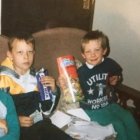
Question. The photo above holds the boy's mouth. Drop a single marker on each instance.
(93, 60)
(26, 63)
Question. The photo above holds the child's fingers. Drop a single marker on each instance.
(49, 81)
(113, 80)
(3, 125)
(25, 121)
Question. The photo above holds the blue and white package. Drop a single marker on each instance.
(45, 91)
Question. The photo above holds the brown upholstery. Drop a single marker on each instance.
(3, 47)
(56, 42)
(50, 44)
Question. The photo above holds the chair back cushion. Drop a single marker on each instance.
(56, 42)
(3, 47)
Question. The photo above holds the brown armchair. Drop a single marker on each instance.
(3, 47)
(55, 42)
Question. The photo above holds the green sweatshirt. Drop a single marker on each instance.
(11, 117)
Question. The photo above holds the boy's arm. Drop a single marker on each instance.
(50, 82)
(115, 75)
(25, 121)
(114, 80)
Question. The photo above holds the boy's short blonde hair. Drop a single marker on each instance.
(21, 36)
(96, 35)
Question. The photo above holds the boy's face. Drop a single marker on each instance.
(22, 55)
(93, 52)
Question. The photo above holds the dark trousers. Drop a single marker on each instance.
(43, 130)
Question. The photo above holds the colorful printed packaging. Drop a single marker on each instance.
(71, 91)
(45, 91)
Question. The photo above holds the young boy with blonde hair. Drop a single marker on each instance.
(98, 78)
(19, 79)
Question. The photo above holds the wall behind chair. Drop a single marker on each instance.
(120, 20)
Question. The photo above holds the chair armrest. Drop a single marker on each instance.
(129, 98)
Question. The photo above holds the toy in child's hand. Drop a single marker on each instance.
(45, 91)
(72, 92)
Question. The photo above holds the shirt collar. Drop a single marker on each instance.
(92, 66)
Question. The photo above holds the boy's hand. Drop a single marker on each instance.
(113, 80)
(49, 81)
(25, 121)
(62, 82)
(3, 124)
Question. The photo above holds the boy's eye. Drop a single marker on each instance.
(87, 51)
(31, 52)
(20, 52)
(97, 50)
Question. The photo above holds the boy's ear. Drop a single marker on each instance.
(83, 55)
(105, 51)
(9, 55)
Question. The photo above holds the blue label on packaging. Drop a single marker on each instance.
(45, 91)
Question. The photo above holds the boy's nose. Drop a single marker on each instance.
(92, 53)
(26, 55)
